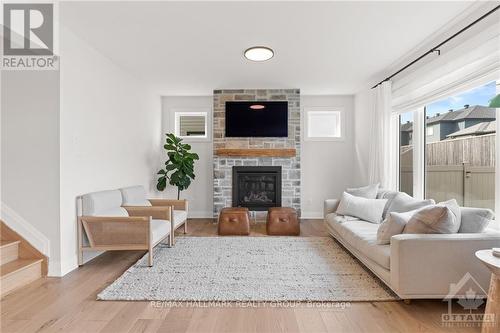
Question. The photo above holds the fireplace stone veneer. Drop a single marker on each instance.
(223, 165)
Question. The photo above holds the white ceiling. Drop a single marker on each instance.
(191, 48)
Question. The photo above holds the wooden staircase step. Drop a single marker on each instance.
(19, 273)
(9, 251)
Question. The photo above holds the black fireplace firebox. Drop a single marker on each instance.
(257, 187)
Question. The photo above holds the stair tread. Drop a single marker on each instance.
(4, 243)
(17, 265)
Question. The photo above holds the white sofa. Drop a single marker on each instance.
(414, 265)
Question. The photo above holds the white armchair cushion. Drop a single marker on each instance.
(179, 216)
(370, 210)
(159, 230)
(368, 192)
(134, 196)
(103, 203)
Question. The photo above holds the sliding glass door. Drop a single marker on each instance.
(460, 148)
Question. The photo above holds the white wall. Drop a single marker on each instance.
(30, 157)
(200, 193)
(110, 132)
(327, 167)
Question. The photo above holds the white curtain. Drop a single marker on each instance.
(382, 162)
(460, 67)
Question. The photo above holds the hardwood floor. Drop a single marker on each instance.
(69, 304)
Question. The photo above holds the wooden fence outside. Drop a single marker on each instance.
(462, 169)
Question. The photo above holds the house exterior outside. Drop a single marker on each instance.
(453, 124)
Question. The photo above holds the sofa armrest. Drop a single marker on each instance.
(426, 265)
(177, 204)
(330, 206)
(158, 212)
(104, 232)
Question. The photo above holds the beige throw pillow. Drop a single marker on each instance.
(393, 225)
(443, 218)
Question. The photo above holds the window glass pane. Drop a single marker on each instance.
(460, 148)
(323, 124)
(191, 125)
(406, 153)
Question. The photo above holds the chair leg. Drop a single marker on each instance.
(186, 226)
(171, 239)
(150, 258)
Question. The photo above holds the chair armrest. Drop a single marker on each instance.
(126, 232)
(330, 206)
(427, 264)
(159, 212)
(177, 204)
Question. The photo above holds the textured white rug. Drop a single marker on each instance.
(249, 269)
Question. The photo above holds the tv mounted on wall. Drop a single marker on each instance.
(257, 119)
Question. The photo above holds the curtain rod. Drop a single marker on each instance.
(436, 48)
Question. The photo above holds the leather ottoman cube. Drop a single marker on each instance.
(234, 222)
(282, 221)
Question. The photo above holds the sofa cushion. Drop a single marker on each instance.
(362, 236)
(402, 202)
(134, 196)
(103, 203)
(443, 218)
(368, 192)
(334, 217)
(159, 229)
(475, 220)
(370, 210)
(179, 216)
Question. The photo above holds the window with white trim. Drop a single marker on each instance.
(191, 124)
(324, 124)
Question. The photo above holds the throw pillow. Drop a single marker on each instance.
(443, 218)
(389, 195)
(368, 192)
(394, 224)
(402, 202)
(370, 210)
(475, 220)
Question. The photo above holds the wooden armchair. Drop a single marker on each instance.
(136, 196)
(104, 225)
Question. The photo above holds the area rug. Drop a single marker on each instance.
(249, 269)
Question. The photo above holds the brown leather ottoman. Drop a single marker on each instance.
(234, 221)
(282, 221)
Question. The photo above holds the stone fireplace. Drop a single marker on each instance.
(223, 164)
(257, 187)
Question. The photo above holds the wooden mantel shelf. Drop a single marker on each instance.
(254, 152)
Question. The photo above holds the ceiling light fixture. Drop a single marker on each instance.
(259, 53)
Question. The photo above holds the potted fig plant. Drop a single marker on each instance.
(179, 168)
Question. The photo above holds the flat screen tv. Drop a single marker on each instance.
(257, 119)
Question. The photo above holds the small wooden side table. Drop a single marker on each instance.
(493, 303)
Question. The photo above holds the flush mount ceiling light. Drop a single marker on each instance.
(259, 53)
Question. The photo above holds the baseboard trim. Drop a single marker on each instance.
(25, 229)
(200, 215)
(311, 215)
